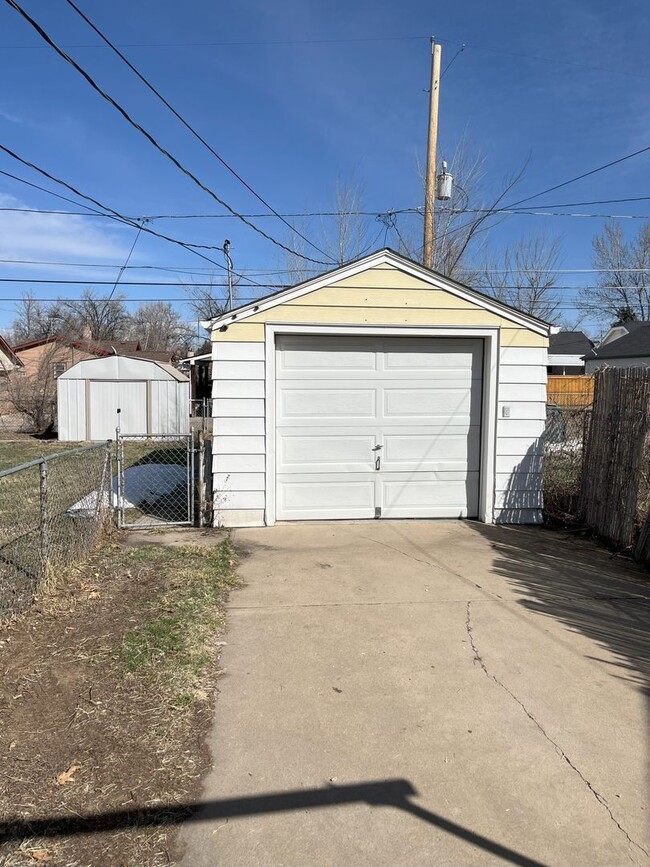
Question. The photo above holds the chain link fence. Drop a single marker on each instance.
(155, 480)
(52, 514)
(564, 446)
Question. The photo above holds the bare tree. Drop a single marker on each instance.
(158, 326)
(622, 289)
(525, 276)
(461, 225)
(105, 319)
(33, 320)
(208, 302)
(343, 237)
(32, 392)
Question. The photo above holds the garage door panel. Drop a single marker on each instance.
(329, 402)
(300, 453)
(433, 402)
(322, 354)
(319, 498)
(430, 497)
(454, 448)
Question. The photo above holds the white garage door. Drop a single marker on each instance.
(370, 427)
(104, 400)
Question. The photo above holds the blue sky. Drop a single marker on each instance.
(297, 94)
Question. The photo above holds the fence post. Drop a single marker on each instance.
(105, 486)
(42, 468)
(201, 485)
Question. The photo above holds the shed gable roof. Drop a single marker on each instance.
(382, 258)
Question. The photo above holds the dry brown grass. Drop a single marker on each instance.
(112, 672)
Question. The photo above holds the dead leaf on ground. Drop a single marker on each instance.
(39, 855)
(68, 776)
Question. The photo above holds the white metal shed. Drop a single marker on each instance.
(154, 399)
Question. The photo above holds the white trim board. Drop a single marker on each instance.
(384, 257)
(490, 337)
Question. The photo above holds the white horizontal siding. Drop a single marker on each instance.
(229, 445)
(518, 479)
(235, 407)
(530, 463)
(238, 388)
(239, 369)
(523, 355)
(529, 497)
(518, 465)
(525, 409)
(518, 516)
(239, 445)
(517, 427)
(237, 464)
(245, 482)
(521, 373)
(516, 391)
(237, 351)
(239, 426)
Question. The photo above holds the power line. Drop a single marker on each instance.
(540, 212)
(350, 40)
(192, 248)
(88, 78)
(181, 269)
(582, 176)
(487, 212)
(188, 126)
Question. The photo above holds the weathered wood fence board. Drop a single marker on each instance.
(615, 496)
(571, 392)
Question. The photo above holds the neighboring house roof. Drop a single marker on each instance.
(383, 257)
(133, 348)
(618, 331)
(634, 344)
(92, 348)
(7, 352)
(101, 348)
(569, 343)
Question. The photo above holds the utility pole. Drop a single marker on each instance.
(430, 190)
(226, 253)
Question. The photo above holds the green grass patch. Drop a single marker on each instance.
(16, 452)
(177, 641)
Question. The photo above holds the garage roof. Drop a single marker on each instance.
(383, 257)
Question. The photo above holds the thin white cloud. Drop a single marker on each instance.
(58, 237)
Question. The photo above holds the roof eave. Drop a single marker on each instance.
(380, 257)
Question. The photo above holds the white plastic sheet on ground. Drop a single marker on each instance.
(145, 483)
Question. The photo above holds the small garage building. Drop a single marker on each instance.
(378, 390)
(153, 398)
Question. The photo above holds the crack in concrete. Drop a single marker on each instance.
(437, 565)
(601, 800)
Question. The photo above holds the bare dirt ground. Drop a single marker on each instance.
(105, 700)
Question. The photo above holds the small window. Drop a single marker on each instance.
(58, 368)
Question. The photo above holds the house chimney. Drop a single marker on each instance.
(87, 333)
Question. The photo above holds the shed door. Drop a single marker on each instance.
(377, 427)
(104, 400)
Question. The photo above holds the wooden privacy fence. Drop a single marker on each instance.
(615, 495)
(570, 392)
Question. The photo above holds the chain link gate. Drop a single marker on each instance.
(155, 480)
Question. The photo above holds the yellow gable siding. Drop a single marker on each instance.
(380, 296)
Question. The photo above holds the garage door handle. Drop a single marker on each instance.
(376, 448)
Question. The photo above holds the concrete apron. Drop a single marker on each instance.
(428, 693)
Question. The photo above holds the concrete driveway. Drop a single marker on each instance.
(428, 693)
